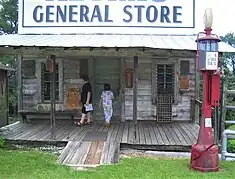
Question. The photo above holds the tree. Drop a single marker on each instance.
(8, 16)
(228, 60)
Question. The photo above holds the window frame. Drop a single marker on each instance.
(165, 61)
(43, 81)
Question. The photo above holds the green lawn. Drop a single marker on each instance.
(34, 165)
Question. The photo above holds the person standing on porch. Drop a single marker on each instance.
(86, 99)
(106, 101)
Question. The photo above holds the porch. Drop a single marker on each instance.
(149, 134)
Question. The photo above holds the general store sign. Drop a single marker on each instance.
(104, 16)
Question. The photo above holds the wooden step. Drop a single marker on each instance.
(90, 154)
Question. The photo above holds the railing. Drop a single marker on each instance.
(227, 134)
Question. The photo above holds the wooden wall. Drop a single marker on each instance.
(146, 109)
(69, 75)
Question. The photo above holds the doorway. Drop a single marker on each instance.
(107, 70)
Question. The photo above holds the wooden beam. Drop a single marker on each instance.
(53, 100)
(112, 52)
(19, 84)
(122, 90)
(135, 86)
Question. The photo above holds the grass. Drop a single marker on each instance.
(36, 165)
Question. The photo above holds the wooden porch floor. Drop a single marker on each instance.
(150, 135)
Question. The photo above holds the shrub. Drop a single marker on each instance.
(231, 142)
(2, 142)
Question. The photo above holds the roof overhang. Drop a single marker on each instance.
(81, 41)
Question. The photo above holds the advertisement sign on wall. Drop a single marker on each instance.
(104, 16)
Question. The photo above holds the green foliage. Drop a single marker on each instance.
(2, 142)
(231, 142)
(9, 16)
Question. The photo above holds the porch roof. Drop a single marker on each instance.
(174, 42)
(6, 68)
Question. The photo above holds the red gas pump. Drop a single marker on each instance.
(204, 154)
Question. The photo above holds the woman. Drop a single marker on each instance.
(86, 99)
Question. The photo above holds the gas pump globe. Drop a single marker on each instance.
(208, 53)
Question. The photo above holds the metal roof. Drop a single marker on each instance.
(175, 42)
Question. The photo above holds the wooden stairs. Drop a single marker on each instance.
(90, 153)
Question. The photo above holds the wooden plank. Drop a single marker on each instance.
(18, 131)
(37, 135)
(65, 152)
(131, 137)
(184, 134)
(58, 131)
(195, 128)
(112, 152)
(105, 152)
(120, 132)
(137, 140)
(168, 134)
(125, 133)
(157, 134)
(181, 138)
(163, 135)
(71, 130)
(146, 134)
(81, 134)
(152, 134)
(122, 82)
(135, 94)
(92, 152)
(190, 136)
(174, 136)
(63, 132)
(114, 132)
(141, 134)
(190, 132)
(29, 132)
(79, 154)
(98, 153)
(72, 152)
(110, 131)
(19, 84)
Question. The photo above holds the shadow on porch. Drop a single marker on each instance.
(149, 134)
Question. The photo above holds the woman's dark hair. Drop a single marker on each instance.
(85, 77)
(107, 87)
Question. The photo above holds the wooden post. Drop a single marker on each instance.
(135, 86)
(122, 91)
(53, 100)
(222, 107)
(19, 84)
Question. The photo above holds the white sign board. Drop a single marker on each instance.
(212, 60)
(104, 16)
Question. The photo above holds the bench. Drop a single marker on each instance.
(25, 113)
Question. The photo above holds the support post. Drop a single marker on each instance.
(122, 90)
(19, 85)
(135, 86)
(53, 100)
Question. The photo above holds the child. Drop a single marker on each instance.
(106, 101)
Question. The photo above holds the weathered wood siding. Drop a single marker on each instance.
(69, 75)
(71, 69)
(181, 110)
(146, 109)
(144, 103)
